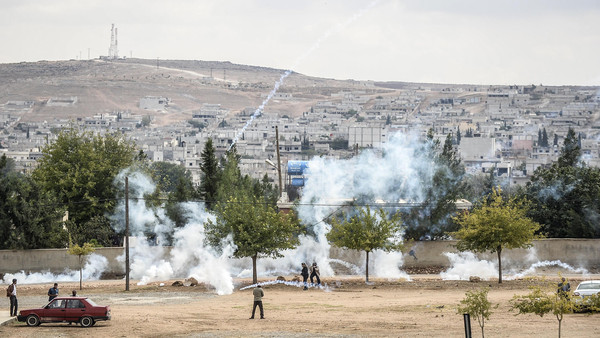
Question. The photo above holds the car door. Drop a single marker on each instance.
(54, 311)
(75, 310)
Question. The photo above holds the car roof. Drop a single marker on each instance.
(70, 298)
(590, 281)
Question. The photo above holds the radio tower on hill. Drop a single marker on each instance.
(113, 51)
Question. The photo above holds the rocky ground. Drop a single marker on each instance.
(425, 306)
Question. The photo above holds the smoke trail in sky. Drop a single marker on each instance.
(338, 28)
(260, 109)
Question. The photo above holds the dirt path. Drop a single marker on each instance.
(424, 307)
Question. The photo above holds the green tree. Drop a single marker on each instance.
(30, 218)
(571, 150)
(477, 304)
(80, 168)
(367, 232)
(564, 196)
(170, 176)
(433, 220)
(545, 138)
(81, 252)
(496, 224)
(210, 174)
(541, 302)
(256, 227)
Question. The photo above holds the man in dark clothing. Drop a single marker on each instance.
(563, 288)
(314, 272)
(258, 295)
(53, 292)
(304, 274)
(12, 293)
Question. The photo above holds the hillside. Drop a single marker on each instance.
(106, 86)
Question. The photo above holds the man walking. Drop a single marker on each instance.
(12, 293)
(53, 292)
(304, 274)
(314, 272)
(258, 295)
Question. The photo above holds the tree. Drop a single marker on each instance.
(80, 252)
(571, 150)
(29, 217)
(210, 174)
(496, 224)
(367, 232)
(80, 168)
(564, 196)
(544, 138)
(477, 304)
(541, 302)
(434, 219)
(256, 227)
(170, 176)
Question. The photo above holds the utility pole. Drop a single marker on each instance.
(278, 161)
(126, 233)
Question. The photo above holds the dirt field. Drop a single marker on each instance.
(423, 307)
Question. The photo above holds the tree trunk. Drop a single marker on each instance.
(499, 251)
(80, 272)
(367, 266)
(254, 278)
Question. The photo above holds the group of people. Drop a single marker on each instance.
(259, 293)
(314, 272)
(11, 292)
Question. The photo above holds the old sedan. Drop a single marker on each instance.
(80, 310)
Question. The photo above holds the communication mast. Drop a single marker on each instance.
(113, 51)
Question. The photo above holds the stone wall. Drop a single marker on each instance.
(575, 252)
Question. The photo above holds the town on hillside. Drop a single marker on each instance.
(170, 110)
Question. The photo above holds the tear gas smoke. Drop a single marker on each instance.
(93, 268)
(189, 257)
(466, 264)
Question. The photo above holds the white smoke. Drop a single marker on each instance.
(465, 264)
(93, 268)
(338, 28)
(189, 257)
(393, 175)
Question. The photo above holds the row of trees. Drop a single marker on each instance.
(542, 300)
(78, 171)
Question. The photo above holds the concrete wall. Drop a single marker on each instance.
(575, 252)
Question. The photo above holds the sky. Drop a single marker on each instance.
(548, 42)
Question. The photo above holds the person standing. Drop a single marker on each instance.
(563, 288)
(12, 293)
(304, 274)
(53, 292)
(258, 295)
(314, 272)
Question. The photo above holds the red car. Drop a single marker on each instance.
(66, 310)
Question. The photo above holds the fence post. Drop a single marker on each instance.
(467, 319)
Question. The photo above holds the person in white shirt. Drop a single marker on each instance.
(14, 304)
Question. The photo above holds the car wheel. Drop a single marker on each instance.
(86, 321)
(33, 320)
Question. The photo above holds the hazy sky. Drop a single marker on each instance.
(449, 41)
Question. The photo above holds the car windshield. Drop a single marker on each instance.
(91, 302)
(588, 286)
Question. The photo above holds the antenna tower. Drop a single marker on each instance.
(113, 52)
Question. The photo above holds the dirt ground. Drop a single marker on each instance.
(347, 307)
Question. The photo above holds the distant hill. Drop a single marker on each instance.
(105, 86)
